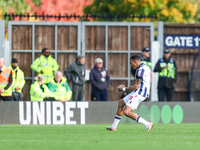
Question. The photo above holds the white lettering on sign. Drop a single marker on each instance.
(196, 41)
(169, 41)
(58, 110)
(22, 113)
(177, 41)
(69, 114)
(48, 112)
(182, 41)
(82, 106)
(51, 112)
(189, 42)
(38, 113)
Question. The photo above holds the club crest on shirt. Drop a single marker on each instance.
(103, 73)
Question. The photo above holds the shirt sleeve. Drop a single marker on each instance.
(92, 79)
(67, 72)
(36, 65)
(22, 80)
(68, 94)
(10, 81)
(50, 86)
(175, 71)
(140, 73)
(55, 65)
(157, 67)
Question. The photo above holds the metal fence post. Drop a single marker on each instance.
(2, 37)
(160, 36)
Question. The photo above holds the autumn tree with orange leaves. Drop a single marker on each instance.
(62, 7)
(46, 7)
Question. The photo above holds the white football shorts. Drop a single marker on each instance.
(133, 100)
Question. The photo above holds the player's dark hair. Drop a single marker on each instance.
(135, 57)
(44, 49)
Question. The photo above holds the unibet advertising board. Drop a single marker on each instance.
(40, 113)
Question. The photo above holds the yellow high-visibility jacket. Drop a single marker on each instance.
(168, 72)
(4, 80)
(60, 90)
(47, 65)
(18, 81)
(37, 93)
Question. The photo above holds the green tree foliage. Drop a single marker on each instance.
(197, 17)
(37, 2)
(166, 10)
(14, 6)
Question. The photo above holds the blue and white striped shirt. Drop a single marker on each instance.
(143, 72)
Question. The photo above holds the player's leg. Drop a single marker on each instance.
(128, 112)
(133, 102)
(120, 112)
(118, 115)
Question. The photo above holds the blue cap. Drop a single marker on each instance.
(166, 51)
(146, 49)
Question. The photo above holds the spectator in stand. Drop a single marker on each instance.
(39, 91)
(100, 80)
(60, 88)
(18, 80)
(76, 73)
(5, 82)
(45, 65)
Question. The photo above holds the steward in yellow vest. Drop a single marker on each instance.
(39, 91)
(145, 57)
(45, 65)
(5, 82)
(166, 67)
(60, 88)
(18, 80)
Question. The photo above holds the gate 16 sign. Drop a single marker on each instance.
(182, 41)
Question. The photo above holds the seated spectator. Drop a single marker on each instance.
(60, 88)
(39, 91)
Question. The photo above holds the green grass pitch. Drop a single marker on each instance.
(96, 137)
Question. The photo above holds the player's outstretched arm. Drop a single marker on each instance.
(136, 84)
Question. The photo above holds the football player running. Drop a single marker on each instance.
(140, 91)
